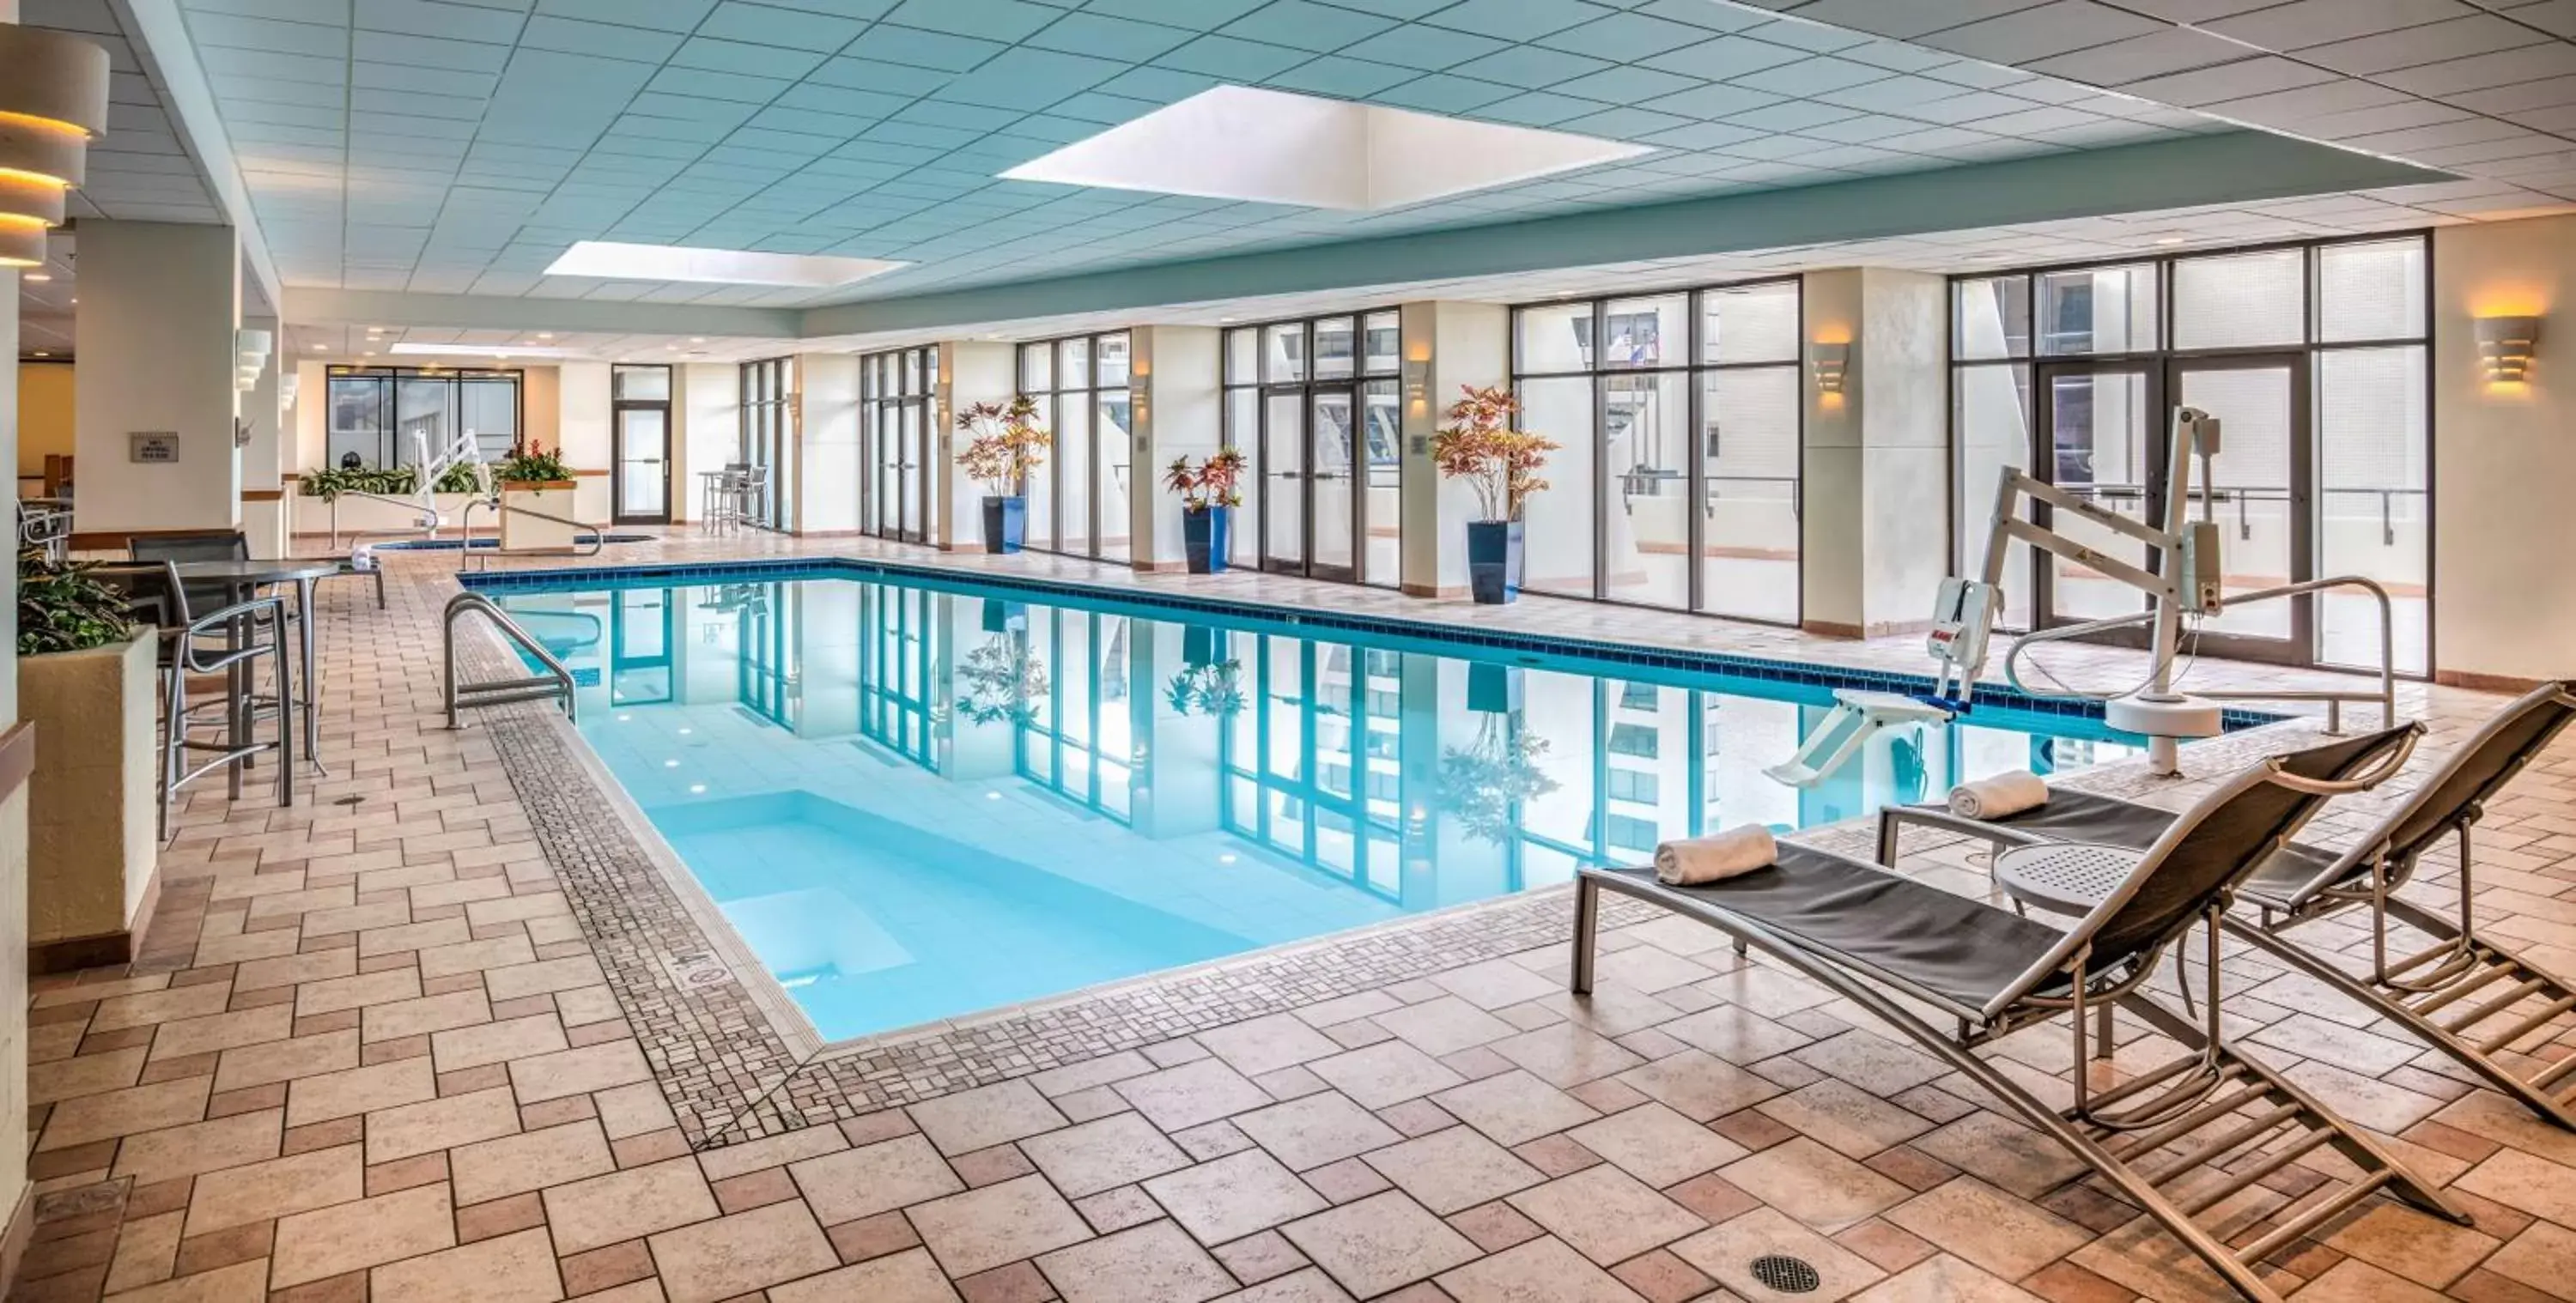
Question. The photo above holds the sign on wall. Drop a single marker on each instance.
(158, 447)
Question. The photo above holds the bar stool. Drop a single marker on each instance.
(226, 642)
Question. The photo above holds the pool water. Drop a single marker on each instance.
(915, 800)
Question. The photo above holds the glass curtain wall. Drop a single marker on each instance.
(769, 436)
(1678, 485)
(388, 415)
(1313, 406)
(2312, 356)
(639, 402)
(898, 443)
(1078, 502)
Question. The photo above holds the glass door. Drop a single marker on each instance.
(1283, 482)
(642, 486)
(2258, 494)
(1331, 482)
(2097, 439)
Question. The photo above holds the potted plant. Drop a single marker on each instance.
(536, 492)
(1480, 446)
(1208, 500)
(88, 682)
(1006, 444)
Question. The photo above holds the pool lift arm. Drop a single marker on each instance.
(2185, 578)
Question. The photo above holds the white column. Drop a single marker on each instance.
(1178, 413)
(1875, 531)
(263, 488)
(154, 336)
(1446, 346)
(969, 373)
(827, 444)
(582, 436)
(15, 1197)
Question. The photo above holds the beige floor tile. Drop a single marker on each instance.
(346, 1237)
(413, 936)
(356, 992)
(399, 1018)
(1543, 1270)
(1726, 1252)
(1564, 1055)
(1814, 1184)
(623, 1205)
(125, 1112)
(476, 956)
(871, 1179)
(1494, 984)
(290, 969)
(201, 1146)
(188, 1037)
(1944, 1279)
(2004, 1235)
(2543, 1257)
(531, 1160)
(741, 1253)
(768, 1151)
(1385, 1074)
(982, 1229)
(1313, 1130)
(202, 1000)
(359, 1090)
(2002, 1153)
(1845, 1118)
(907, 1277)
(1442, 1026)
(1176, 1099)
(632, 1110)
(541, 978)
(1738, 1035)
(2519, 1180)
(1698, 1085)
(1117, 1150)
(434, 1124)
(1373, 1245)
(242, 1282)
(1153, 1261)
(1453, 1169)
(238, 1196)
(579, 1071)
(514, 1268)
(304, 1056)
(986, 1116)
(1234, 1196)
(1606, 1214)
(2355, 1281)
(1267, 1044)
(89, 1074)
(1514, 1107)
(1657, 1145)
(496, 1042)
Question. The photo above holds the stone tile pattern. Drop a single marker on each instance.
(347, 1018)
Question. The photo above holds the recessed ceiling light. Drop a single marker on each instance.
(321, 348)
(1234, 142)
(2169, 239)
(36, 276)
(42, 353)
(545, 334)
(673, 262)
(697, 339)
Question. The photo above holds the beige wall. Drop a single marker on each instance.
(155, 336)
(826, 480)
(969, 373)
(1446, 346)
(14, 1191)
(541, 407)
(44, 414)
(1874, 532)
(2504, 456)
(1177, 415)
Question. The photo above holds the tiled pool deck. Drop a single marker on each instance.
(465, 1037)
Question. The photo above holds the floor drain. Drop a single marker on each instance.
(349, 800)
(1786, 1275)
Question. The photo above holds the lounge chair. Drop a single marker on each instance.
(1893, 945)
(2487, 998)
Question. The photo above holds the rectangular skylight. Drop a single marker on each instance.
(676, 262)
(1235, 142)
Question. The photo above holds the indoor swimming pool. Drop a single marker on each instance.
(916, 799)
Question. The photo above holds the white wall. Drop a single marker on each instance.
(2504, 591)
(582, 434)
(155, 336)
(1875, 529)
(706, 401)
(1445, 346)
(263, 509)
(1177, 415)
(827, 453)
(968, 374)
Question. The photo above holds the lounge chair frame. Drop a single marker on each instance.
(2207, 1105)
(2428, 992)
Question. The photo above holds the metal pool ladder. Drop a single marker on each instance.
(556, 682)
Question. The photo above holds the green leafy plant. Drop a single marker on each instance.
(532, 466)
(1007, 444)
(459, 478)
(1000, 682)
(1212, 689)
(1211, 483)
(1486, 784)
(331, 482)
(62, 608)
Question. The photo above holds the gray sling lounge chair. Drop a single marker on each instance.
(2464, 995)
(1893, 945)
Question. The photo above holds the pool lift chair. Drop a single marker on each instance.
(2464, 994)
(2184, 580)
(2180, 1140)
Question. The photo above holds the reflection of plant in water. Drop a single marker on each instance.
(998, 681)
(1215, 689)
(1482, 784)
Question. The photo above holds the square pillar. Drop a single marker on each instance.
(263, 458)
(1179, 412)
(1447, 346)
(1875, 531)
(827, 443)
(969, 373)
(155, 342)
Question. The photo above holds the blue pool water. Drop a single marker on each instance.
(916, 799)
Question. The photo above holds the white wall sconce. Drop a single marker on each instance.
(1830, 361)
(53, 102)
(250, 357)
(2505, 348)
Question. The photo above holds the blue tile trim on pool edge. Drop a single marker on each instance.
(1303, 620)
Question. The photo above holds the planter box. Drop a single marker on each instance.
(520, 533)
(1006, 521)
(1494, 560)
(311, 515)
(91, 809)
(1205, 538)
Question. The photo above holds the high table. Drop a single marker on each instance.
(241, 580)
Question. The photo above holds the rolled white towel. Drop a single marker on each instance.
(1999, 797)
(362, 557)
(1698, 861)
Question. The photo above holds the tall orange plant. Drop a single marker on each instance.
(1008, 443)
(1480, 445)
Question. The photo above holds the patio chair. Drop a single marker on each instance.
(1893, 945)
(2515, 1002)
(227, 642)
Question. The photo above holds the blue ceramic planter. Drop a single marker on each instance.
(1206, 535)
(1494, 560)
(1006, 523)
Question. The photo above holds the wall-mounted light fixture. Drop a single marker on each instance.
(1830, 362)
(2505, 347)
(53, 102)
